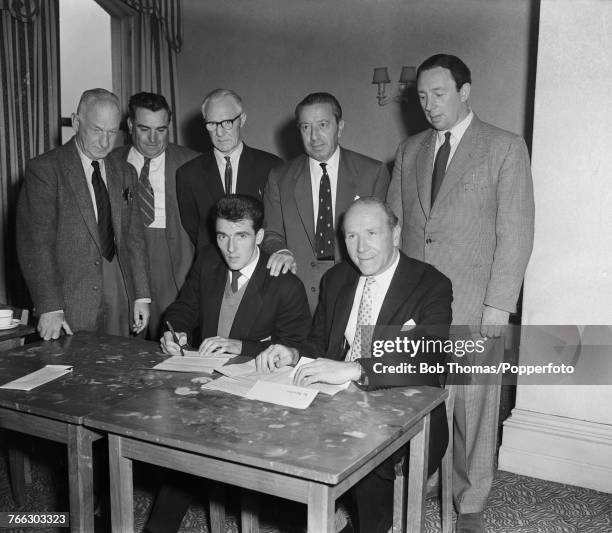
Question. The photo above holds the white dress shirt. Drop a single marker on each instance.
(315, 180)
(234, 160)
(246, 273)
(157, 177)
(456, 132)
(379, 289)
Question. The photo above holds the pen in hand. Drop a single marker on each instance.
(174, 337)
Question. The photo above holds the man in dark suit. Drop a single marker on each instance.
(241, 310)
(382, 288)
(230, 167)
(306, 197)
(79, 234)
(464, 194)
(156, 161)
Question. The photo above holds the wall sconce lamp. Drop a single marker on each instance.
(381, 78)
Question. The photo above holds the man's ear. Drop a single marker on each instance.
(131, 125)
(243, 119)
(75, 122)
(464, 92)
(259, 236)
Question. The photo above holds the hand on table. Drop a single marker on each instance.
(281, 263)
(327, 371)
(274, 357)
(220, 346)
(50, 325)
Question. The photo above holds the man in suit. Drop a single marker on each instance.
(230, 167)
(381, 287)
(464, 192)
(306, 198)
(156, 161)
(79, 234)
(241, 310)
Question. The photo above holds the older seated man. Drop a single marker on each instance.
(381, 287)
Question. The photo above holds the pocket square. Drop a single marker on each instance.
(266, 339)
(407, 326)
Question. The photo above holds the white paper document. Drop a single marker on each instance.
(326, 388)
(192, 363)
(238, 387)
(40, 377)
(279, 394)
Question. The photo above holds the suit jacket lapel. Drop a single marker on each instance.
(303, 198)
(424, 169)
(462, 159)
(402, 284)
(345, 194)
(211, 172)
(252, 300)
(173, 223)
(342, 312)
(212, 292)
(73, 170)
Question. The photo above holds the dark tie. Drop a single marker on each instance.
(228, 176)
(105, 223)
(145, 192)
(324, 238)
(234, 284)
(440, 167)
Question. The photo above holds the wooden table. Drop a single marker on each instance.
(310, 456)
(106, 371)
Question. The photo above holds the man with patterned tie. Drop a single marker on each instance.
(464, 194)
(381, 287)
(156, 161)
(240, 310)
(230, 167)
(79, 234)
(306, 197)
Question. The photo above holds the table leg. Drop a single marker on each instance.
(399, 498)
(249, 513)
(417, 479)
(80, 478)
(217, 508)
(122, 489)
(321, 509)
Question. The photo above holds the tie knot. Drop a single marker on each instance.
(96, 165)
(447, 137)
(147, 161)
(323, 167)
(369, 280)
(227, 159)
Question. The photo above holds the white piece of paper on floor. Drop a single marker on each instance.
(190, 363)
(281, 394)
(40, 377)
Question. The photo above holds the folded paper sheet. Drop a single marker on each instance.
(40, 377)
(192, 363)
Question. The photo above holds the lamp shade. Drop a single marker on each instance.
(381, 75)
(408, 75)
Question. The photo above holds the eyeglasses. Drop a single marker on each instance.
(227, 124)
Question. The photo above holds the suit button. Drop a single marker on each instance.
(313, 264)
(428, 241)
(97, 262)
(95, 287)
(313, 289)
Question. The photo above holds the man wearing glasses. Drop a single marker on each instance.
(231, 167)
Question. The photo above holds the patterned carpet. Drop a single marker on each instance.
(517, 504)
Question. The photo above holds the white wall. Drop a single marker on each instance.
(85, 53)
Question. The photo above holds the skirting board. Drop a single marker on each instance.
(565, 450)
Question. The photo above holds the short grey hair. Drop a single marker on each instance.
(97, 95)
(392, 219)
(221, 93)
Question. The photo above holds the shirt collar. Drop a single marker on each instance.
(384, 278)
(234, 155)
(458, 129)
(136, 156)
(331, 162)
(247, 271)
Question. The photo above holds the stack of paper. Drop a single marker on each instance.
(193, 363)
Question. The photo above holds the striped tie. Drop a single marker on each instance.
(145, 193)
(105, 222)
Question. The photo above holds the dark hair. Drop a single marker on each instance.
(392, 219)
(320, 98)
(237, 207)
(150, 101)
(458, 69)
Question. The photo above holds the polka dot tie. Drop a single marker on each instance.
(324, 234)
(362, 342)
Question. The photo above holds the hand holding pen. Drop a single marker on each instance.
(172, 343)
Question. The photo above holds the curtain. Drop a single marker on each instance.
(29, 114)
(156, 39)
